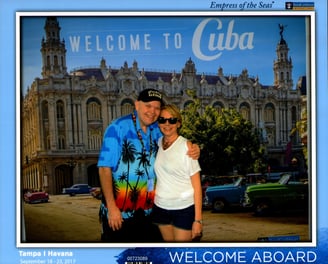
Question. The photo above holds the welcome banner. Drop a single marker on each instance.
(165, 41)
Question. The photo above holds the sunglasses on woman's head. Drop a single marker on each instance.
(172, 120)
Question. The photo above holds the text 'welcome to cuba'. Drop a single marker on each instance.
(209, 39)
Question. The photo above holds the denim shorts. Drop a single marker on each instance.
(181, 218)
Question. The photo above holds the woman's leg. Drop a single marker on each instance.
(167, 232)
(182, 235)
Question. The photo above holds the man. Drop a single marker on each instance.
(127, 175)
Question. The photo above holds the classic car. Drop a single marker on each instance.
(77, 189)
(275, 176)
(36, 197)
(96, 193)
(285, 194)
(220, 197)
(213, 180)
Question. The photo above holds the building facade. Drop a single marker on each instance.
(64, 114)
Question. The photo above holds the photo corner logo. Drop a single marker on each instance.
(299, 5)
(289, 5)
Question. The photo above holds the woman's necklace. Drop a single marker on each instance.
(167, 143)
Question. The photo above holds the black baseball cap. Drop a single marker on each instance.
(149, 95)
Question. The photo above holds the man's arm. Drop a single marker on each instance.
(114, 215)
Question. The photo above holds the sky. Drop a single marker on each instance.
(165, 43)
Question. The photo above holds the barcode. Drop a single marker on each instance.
(138, 262)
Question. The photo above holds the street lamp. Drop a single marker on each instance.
(71, 164)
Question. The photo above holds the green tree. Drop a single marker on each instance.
(228, 141)
(302, 128)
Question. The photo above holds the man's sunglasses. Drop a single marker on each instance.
(172, 120)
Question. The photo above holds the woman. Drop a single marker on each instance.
(178, 194)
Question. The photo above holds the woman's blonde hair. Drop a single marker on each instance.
(173, 110)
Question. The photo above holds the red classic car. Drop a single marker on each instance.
(96, 192)
(36, 197)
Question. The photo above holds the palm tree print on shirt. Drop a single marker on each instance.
(128, 152)
(133, 190)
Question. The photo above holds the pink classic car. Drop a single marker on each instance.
(36, 197)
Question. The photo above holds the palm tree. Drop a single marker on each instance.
(135, 191)
(134, 195)
(140, 174)
(124, 178)
(153, 148)
(115, 188)
(128, 152)
(144, 161)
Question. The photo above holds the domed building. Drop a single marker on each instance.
(64, 114)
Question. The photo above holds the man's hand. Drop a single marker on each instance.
(193, 151)
(114, 214)
(115, 219)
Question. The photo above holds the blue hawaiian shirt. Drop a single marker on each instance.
(131, 158)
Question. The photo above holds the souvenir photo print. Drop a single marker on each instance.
(108, 100)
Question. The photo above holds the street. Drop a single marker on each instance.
(75, 219)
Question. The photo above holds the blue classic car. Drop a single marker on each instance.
(220, 197)
(77, 189)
